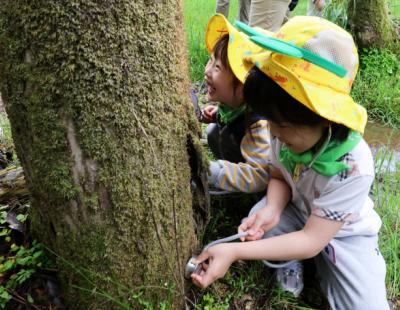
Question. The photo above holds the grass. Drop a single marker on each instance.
(387, 198)
(377, 86)
(195, 26)
(249, 285)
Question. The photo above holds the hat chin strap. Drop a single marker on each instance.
(322, 148)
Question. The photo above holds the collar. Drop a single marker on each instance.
(228, 114)
(324, 161)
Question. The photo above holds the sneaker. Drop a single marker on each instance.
(290, 278)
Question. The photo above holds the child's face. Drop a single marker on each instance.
(220, 87)
(299, 138)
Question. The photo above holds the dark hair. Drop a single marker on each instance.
(266, 98)
(220, 52)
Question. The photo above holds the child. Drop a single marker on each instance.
(314, 7)
(317, 202)
(242, 156)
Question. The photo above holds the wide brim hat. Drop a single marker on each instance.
(239, 44)
(315, 61)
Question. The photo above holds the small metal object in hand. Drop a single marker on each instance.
(192, 267)
(196, 268)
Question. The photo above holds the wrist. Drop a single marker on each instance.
(212, 176)
(275, 208)
(236, 248)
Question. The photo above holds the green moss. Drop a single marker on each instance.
(371, 24)
(98, 67)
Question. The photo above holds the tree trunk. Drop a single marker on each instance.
(97, 96)
(371, 24)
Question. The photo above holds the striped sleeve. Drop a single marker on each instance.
(252, 175)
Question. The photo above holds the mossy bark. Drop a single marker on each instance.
(97, 96)
(371, 24)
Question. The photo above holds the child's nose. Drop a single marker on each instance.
(207, 71)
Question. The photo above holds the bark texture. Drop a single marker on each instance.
(97, 96)
(370, 22)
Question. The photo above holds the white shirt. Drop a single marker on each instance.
(343, 197)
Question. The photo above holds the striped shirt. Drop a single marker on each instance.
(250, 176)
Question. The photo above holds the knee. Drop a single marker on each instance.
(212, 133)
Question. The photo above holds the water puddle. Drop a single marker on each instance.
(384, 143)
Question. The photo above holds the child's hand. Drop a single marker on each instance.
(209, 114)
(319, 4)
(219, 257)
(259, 223)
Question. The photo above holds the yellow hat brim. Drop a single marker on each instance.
(239, 44)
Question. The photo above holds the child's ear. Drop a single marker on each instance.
(239, 91)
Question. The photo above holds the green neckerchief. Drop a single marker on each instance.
(228, 114)
(326, 162)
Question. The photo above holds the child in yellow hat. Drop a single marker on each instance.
(317, 203)
(242, 155)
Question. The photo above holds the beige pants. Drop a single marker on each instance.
(243, 9)
(267, 14)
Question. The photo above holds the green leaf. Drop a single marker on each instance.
(4, 296)
(37, 254)
(22, 217)
(23, 261)
(24, 275)
(4, 232)
(10, 264)
(3, 216)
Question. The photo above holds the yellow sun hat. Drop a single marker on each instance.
(239, 44)
(315, 61)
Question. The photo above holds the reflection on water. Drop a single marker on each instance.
(387, 141)
(377, 135)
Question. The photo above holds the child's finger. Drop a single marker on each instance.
(257, 225)
(207, 116)
(201, 280)
(209, 113)
(254, 234)
(210, 110)
(247, 223)
(241, 230)
(202, 257)
(204, 278)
